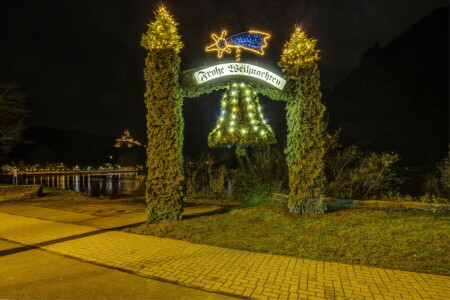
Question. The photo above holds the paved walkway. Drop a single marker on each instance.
(36, 274)
(233, 272)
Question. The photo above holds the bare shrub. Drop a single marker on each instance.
(437, 185)
(353, 174)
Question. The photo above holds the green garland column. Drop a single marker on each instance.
(305, 143)
(165, 188)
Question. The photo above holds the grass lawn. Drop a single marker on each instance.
(11, 192)
(396, 238)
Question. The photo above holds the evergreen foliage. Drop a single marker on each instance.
(305, 139)
(165, 190)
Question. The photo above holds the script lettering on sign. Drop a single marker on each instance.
(239, 69)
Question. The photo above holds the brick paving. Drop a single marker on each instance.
(235, 272)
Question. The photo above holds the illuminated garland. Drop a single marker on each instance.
(241, 120)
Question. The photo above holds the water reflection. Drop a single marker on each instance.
(112, 185)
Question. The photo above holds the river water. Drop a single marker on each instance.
(116, 185)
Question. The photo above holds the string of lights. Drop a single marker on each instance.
(241, 119)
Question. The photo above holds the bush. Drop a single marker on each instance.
(263, 166)
(205, 178)
(353, 174)
(257, 196)
(217, 180)
(196, 173)
(437, 185)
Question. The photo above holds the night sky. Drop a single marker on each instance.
(81, 65)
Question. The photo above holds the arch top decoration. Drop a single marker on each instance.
(239, 69)
(206, 79)
(220, 75)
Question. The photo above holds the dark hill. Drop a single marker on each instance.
(49, 145)
(71, 147)
(397, 99)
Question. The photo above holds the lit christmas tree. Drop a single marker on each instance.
(299, 52)
(241, 120)
(162, 33)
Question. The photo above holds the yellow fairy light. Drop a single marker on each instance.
(298, 51)
(162, 33)
(242, 122)
(220, 44)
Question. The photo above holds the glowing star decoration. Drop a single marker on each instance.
(254, 41)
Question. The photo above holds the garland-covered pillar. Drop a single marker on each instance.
(165, 188)
(305, 141)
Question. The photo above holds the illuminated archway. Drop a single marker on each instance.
(167, 86)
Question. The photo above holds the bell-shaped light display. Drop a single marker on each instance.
(241, 121)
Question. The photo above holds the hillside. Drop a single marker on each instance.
(397, 99)
(47, 145)
(70, 147)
